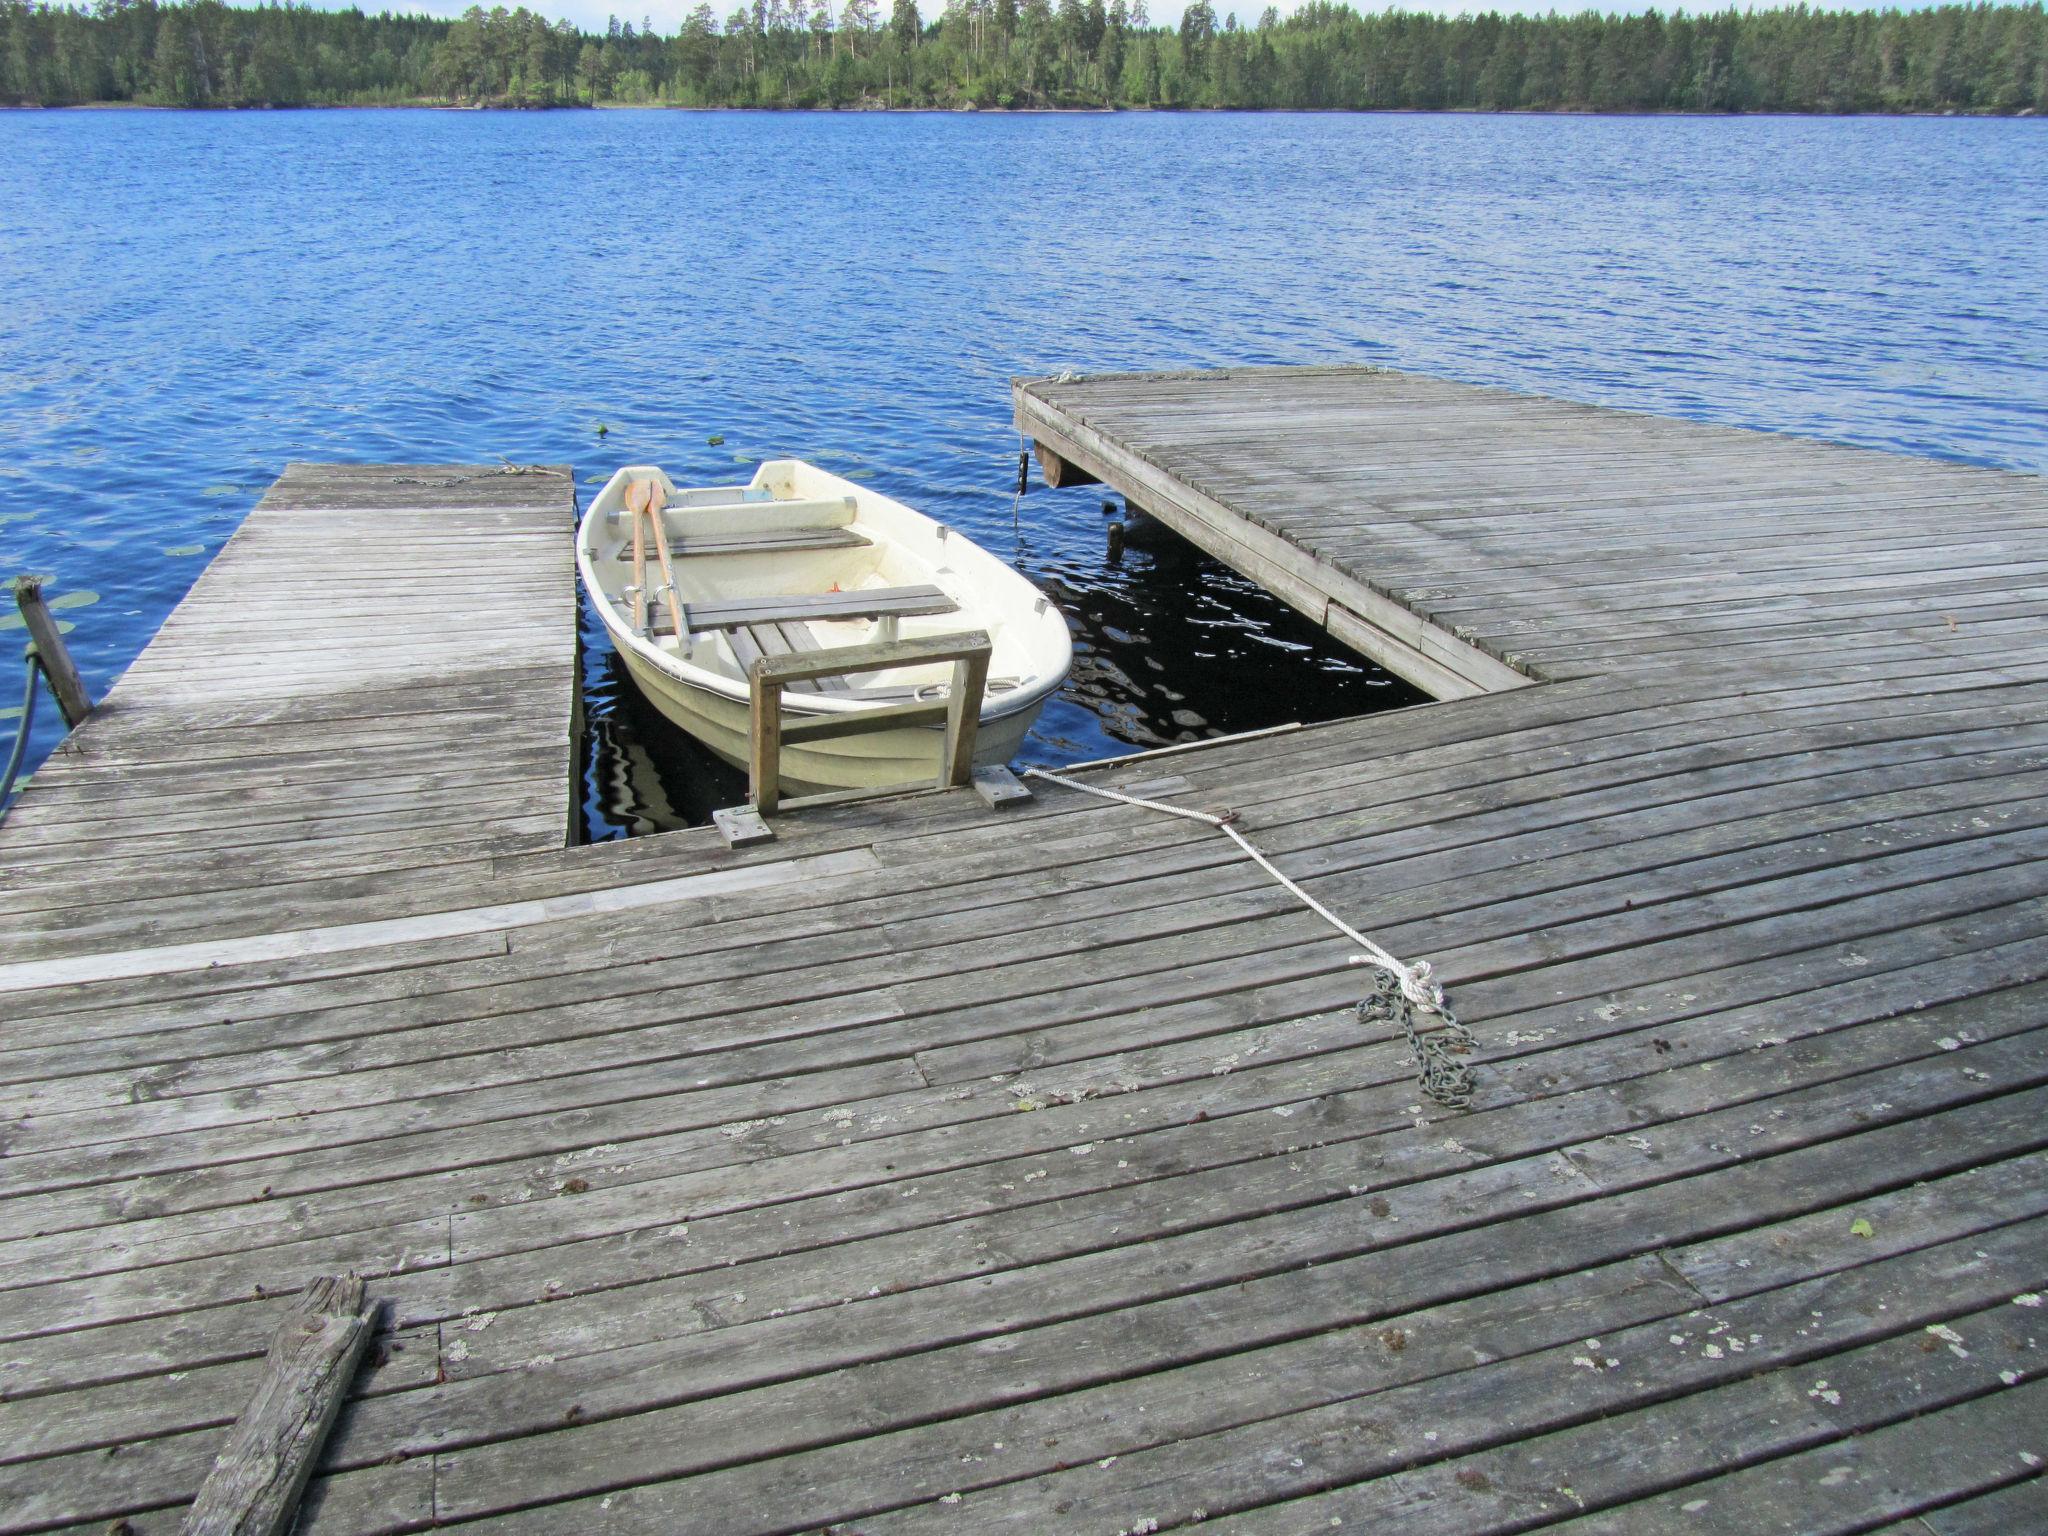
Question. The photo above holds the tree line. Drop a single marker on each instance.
(1033, 53)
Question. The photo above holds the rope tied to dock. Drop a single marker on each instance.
(1403, 993)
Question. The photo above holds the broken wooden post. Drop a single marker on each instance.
(254, 1487)
(1058, 471)
(51, 654)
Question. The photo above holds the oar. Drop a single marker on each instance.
(637, 492)
(657, 498)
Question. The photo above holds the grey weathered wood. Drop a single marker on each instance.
(881, 717)
(742, 827)
(764, 737)
(254, 1486)
(1058, 471)
(768, 543)
(348, 738)
(750, 642)
(963, 716)
(876, 602)
(725, 1204)
(52, 656)
(961, 711)
(998, 787)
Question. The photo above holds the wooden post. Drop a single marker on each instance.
(1060, 472)
(960, 714)
(764, 755)
(51, 652)
(254, 1487)
(963, 718)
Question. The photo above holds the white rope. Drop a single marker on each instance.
(1418, 985)
(1402, 991)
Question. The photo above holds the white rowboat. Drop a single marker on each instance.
(798, 560)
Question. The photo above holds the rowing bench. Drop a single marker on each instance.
(769, 542)
(781, 626)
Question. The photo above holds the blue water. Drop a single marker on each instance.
(189, 300)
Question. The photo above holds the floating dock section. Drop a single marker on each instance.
(938, 1169)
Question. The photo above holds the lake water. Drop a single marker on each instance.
(189, 300)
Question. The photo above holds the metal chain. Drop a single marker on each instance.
(1443, 1075)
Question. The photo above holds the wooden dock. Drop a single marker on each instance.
(937, 1169)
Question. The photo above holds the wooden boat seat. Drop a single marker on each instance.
(777, 626)
(750, 642)
(802, 608)
(770, 543)
(757, 640)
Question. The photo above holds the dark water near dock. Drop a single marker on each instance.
(189, 300)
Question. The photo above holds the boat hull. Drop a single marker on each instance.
(867, 760)
(788, 550)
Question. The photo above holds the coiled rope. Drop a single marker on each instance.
(1404, 993)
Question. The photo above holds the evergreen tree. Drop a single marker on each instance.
(1197, 29)
(1963, 58)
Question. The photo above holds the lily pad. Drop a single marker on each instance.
(12, 712)
(222, 490)
(12, 621)
(179, 550)
(1861, 1228)
(716, 439)
(74, 600)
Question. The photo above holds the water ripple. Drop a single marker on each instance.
(193, 299)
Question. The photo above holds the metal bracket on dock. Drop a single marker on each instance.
(743, 826)
(999, 787)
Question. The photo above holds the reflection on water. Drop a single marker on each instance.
(1169, 646)
(639, 773)
(193, 299)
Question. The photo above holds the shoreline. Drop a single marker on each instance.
(978, 111)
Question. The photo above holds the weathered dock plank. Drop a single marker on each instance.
(1032, 1172)
(1536, 511)
(374, 659)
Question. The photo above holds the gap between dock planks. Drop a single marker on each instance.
(1007, 1168)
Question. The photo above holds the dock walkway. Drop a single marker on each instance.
(937, 1170)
